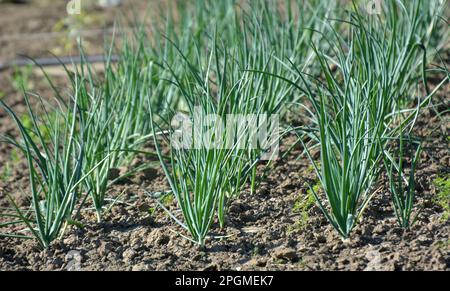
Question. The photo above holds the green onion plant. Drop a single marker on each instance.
(364, 85)
(55, 172)
(205, 179)
(402, 189)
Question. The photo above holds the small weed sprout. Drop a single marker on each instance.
(302, 206)
(442, 198)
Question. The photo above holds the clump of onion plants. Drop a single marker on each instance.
(217, 153)
(202, 180)
(55, 167)
(115, 121)
(113, 108)
(365, 83)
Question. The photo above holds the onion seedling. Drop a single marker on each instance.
(402, 190)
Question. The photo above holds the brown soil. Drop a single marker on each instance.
(262, 232)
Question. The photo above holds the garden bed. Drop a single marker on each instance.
(274, 228)
(264, 231)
